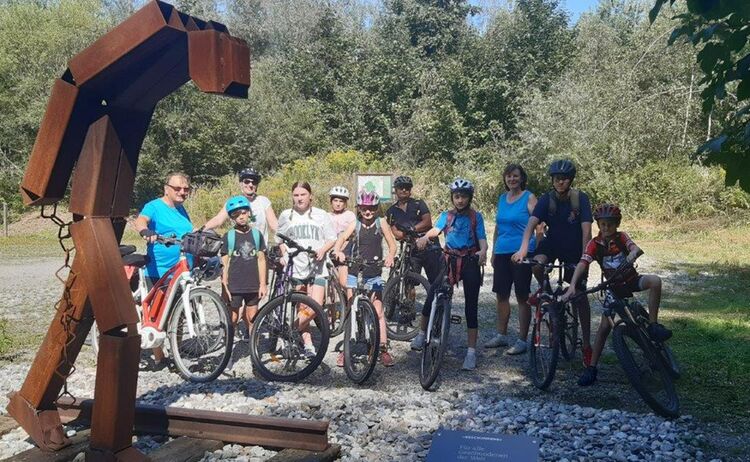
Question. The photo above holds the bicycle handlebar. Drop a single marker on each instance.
(410, 232)
(289, 242)
(614, 279)
(547, 266)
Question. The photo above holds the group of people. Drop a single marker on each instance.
(555, 226)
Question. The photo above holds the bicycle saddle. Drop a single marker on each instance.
(135, 259)
(126, 250)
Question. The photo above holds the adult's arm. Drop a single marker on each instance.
(218, 220)
(530, 227)
(271, 219)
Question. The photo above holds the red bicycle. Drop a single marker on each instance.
(179, 307)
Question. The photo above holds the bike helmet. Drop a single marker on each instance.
(460, 185)
(339, 191)
(608, 211)
(402, 181)
(562, 167)
(236, 203)
(210, 270)
(368, 198)
(250, 173)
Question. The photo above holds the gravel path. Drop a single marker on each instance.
(391, 418)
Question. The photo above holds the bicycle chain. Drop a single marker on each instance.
(66, 301)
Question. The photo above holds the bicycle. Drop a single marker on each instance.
(554, 327)
(277, 346)
(402, 298)
(649, 364)
(179, 308)
(438, 325)
(362, 327)
(336, 302)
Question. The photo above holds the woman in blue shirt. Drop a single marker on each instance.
(514, 207)
(465, 236)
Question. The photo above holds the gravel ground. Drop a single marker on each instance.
(391, 417)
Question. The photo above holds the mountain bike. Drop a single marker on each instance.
(362, 327)
(649, 364)
(336, 302)
(554, 326)
(180, 308)
(289, 320)
(404, 293)
(438, 325)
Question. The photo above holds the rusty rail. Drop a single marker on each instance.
(229, 427)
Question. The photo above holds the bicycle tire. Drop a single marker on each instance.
(645, 371)
(335, 308)
(569, 337)
(271, 332)
(433, 351)
(544, 348)
(401, 314)
(210, 351)
(674, 368)
(361, 353)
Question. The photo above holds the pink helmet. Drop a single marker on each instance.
(368, 198)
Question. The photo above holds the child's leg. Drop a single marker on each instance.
(605, 326)
(251, 310)
(471, 280)
(377, 302)
(652, 283)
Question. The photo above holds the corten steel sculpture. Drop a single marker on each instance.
(96, 120)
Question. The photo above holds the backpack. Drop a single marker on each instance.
(452, 215)
(230, 242)
(575, 201)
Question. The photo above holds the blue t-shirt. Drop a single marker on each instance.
(564, 228)
(510, 221)
(461, 236)
(167, 221)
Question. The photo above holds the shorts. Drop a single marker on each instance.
(546, 248)
(318, 281)
(509, 274)
(627, 289)
(374, 283)
(249, 299)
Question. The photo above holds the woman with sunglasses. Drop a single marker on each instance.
(262, 217)
(165, 216)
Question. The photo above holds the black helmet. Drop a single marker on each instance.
(402, 181)
(250, 173)
(562, 167)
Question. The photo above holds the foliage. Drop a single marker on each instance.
(720, 30)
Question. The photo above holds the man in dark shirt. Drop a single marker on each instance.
(567, 213)
(414, 213)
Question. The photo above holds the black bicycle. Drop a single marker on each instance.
(404, 293)
(362, 328)
(438, 325)
(649, 364)
(290, 333)
(554, 326)
(336, 302)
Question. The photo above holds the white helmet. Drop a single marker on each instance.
(462, 186)
(339, 191)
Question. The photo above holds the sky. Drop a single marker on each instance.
(576, 7)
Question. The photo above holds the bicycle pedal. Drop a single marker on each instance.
(455, 319)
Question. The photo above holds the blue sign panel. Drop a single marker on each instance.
(461, 446)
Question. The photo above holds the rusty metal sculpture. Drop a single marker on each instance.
(96, 120)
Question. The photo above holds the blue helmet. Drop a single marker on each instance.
(236, 203)
(562, 167)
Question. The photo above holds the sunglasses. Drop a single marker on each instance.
(249, 181)
(186, 189)
(368, 208)
(237, 213)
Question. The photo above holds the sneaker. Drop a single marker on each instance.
(470, 361)
(587, 356)
(386, 357)
(340, 359)
(499, 340)
(310, 352)
(588, 377)
(517, 348)
(658, 332)
(418, 343)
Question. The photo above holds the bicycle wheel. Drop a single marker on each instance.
(335, 307)
(650, 378)
(669, 359)
(434, 350)
(403, 298)
(202, 357)
(277, 344)
(569, 324)
(361, 342)
(544, 347)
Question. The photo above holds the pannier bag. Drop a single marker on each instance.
(201, 243)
